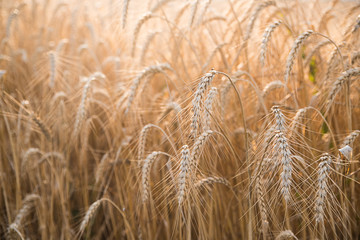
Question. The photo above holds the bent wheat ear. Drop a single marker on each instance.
(44, 129)
(198, 146)
(350, 138)
(149, 71)
(286, 235)
(314, 50)
(159, 4)
(254, 16)
(11, 18)
(208, 108)
(28, 204)
(271, 86)
(293, 53)
(89, 214)
(323, 173)
(125, 11)
(265, 40)
(211, 180)
(197, 101)
(193, 11)
(184, 172)
(340, 81)
(145, 175)
(141, 21)
(101, 168)
(146, 45)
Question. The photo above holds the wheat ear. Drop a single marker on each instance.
(323, 173)
(355, 56)
(61, 45)
(265, 40)
(286, 175)
(212, 180)
(141, 21)
(193, 11)
(44, 129)
(28, 204)
(124, 12)
(350, 138)
(271, 86)
(198, 146)
(146, 45)
(197, 101)
(80, 115)
(332, 62)
(280, 123)
(315, 49)
(286, 235)
(254, 16)
(90, 213)
(259, 187)
(184, 172)
(142, 142)
(145, 175)
(52, 61)
(148, 71)
(101, 168)
(159, 4)
(11, 18)
(340, 81)
(293, 53)
(208, 108)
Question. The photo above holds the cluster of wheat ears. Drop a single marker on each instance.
(169, 119)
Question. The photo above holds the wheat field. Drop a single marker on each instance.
(169, 119)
